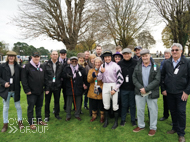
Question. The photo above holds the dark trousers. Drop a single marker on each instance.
(97, 105)
(178, 112)
(56, 94)
(85, 99)
(34, 100)
(69, 105)
(90, 106)
(166, 109)
(64, 97)
(127, 100)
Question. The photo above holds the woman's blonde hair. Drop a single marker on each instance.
(7, 59)
(92, 56)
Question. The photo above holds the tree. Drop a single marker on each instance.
(43, 51)
(63, 21)
(167, 37)
(124, 19)
(3, 47)
(145, 39)
(176, 14)
(87, 45)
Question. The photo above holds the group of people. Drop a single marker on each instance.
(110, 81)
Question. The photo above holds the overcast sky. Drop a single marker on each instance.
(10, 34)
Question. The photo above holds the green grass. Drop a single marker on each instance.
(86, 131)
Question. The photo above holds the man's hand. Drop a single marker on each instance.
(164, 93)
(29, 93)
(102, 70)
(184, 97)
(47, 92)
(7, 84)
(113, 92)
(84, 86)
(142, 90)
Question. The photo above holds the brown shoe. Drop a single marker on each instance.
(41, 123)
(78, 118)
(94, 115)
(102, 117)
(152, 132)
(137, 129)
(181, 139)
(32, 127)
(68, 119)
(171, 132)
(5, 127)
(20, 125)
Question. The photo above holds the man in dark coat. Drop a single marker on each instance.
(10, 87)
(64, 60)
(75, 78)
(53, 71)
(176, 86)
(33, 84)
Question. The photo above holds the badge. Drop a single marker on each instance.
(80, 73)
(11, 80)
(154, 67)
(53, 79)
(127, 78)
(176, 71)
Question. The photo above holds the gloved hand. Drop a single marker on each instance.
(99, 90)
(93, 75)
(69, 76)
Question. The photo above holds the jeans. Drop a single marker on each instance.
(6, 108)
(127, 101)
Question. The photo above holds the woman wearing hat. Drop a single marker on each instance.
(95, 90)
(117, 57)
(110, 74)
(10, 74)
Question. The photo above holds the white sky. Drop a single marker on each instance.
(10, 34)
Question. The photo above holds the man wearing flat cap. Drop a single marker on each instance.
(64, 60)
(127, 65)
(33, 85)
(10, 75)
(75, 79)
(146, 78)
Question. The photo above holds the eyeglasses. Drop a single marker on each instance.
(175, 50)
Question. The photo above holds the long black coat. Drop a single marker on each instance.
(5, 75)
(78, 84)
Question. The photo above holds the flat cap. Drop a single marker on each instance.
(63, 51)
(126, 50)
(144, 51)
(74, 58)
(36, 54)
(81, 55)
(137, 47)
(11, 53)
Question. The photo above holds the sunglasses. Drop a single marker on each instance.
(175, 50)
(73, 61)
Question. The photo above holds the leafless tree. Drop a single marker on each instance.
(60, 20)
(176, 14)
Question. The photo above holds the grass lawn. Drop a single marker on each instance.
(82, 131)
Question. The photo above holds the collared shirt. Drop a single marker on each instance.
(54, 66)
(175, 63)
(146, 73)
(62, 60)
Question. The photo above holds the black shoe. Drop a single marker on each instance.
(58, 117)
(86, 108)
(116, 114)
(46, 119)
(135, 119)
(122, 123)
(133, 123)
(163, 118)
